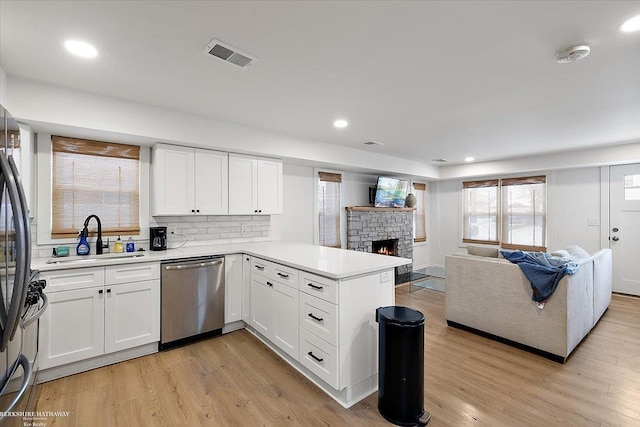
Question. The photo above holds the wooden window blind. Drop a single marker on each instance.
(329, 208)
(419, 216)
(480, 211)
(524, 213)
(93, 177)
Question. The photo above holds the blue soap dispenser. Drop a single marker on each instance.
(83, 247)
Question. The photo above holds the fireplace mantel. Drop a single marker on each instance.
(372, 209)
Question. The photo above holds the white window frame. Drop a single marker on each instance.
(44, 194)
(316, 212)
(548, 208)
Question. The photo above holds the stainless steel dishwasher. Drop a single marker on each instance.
(192, 300)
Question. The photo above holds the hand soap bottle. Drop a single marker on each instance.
(118, 247)
(130, 245)
(83, 247)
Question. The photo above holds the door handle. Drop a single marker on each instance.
(615, 238)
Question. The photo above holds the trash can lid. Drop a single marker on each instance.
(401, 315)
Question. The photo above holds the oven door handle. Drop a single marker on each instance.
(37, 314)
(26, 380)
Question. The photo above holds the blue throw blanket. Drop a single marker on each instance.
(544, 271)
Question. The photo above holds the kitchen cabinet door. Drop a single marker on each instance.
(285, 318)
(262, 305)
(233, 285)
(269, 187)
(72, 327)
(173, 180)
(132, 315)
(243, 181)
(211, 182)
(246, 289)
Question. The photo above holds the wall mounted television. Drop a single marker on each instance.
(391, 192)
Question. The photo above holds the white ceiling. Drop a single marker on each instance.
(427, 79)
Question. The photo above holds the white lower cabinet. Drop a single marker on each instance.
(246, 289)
(274, 308)
(72, 327)
(131, 311)
(99, 317)
(285, 318)
(233, 292)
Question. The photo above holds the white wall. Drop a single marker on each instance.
(296, 222)
(573, 195)
(83, 114)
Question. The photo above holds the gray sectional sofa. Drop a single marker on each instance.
(491, 296)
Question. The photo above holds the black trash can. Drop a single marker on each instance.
(401, 365)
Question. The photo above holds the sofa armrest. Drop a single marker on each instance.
(602, 282)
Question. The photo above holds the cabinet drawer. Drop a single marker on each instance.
(319, 317)
(319, 286)
(286, 275)
(263, 267)
(128, 273)
(77, 278)
(319, 357)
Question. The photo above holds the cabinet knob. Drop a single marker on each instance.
(100, 291)
(193, 210)
(260, 211)
(198, 210)
(108, 291)
(256, 211)
(270, 284)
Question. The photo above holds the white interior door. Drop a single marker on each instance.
(624, 231)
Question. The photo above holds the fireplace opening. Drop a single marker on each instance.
(385, 247)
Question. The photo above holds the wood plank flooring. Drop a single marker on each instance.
(234, 380)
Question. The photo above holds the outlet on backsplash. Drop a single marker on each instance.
(172, 230)
(245, 228)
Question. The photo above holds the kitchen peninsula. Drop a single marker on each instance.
(312, 305)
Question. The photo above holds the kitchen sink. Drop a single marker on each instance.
(90, 259)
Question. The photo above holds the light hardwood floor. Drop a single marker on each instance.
(234, 380)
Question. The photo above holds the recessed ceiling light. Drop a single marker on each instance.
(631, 25)
(82, 49)
(341, 123)
(469, 159)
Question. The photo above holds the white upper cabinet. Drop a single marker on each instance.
(255, 185)
(188, 181)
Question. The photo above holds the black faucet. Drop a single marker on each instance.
(99, 239)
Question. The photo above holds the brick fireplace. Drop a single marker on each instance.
(366, 225)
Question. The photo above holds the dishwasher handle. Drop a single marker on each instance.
(193, 265)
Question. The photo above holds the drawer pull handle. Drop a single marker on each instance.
(318, 359)
(270, 284)
(314, 286)
(259, 267)
(318, 319)
(284, 276)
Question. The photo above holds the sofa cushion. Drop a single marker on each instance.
(482, 251)
(577, 253)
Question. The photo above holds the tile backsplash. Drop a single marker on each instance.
(197, 230)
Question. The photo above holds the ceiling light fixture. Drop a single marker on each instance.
(573, 53)
(469, 159)
(340, 123)
(631, 25)
(85, 50)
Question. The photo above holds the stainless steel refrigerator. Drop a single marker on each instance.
(21, 298)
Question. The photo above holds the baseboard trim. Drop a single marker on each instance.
(546, 354)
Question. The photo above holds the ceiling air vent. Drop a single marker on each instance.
(440, 160)
(372, 143)
(229, 54)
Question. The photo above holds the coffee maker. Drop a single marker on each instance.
(158, 238)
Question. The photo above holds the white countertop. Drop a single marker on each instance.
(329, 262)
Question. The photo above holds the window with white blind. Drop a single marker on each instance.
(419, 217)
(93, 177)
(329, 209)
(509, 212)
